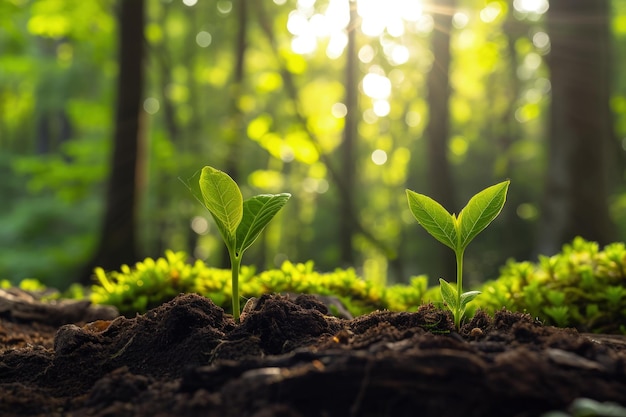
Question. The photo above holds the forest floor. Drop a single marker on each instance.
(289, 359)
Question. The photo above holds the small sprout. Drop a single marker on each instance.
(240, 222)
(457, 232)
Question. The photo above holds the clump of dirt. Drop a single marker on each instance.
(288, 357)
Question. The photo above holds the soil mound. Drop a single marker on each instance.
(288, 357)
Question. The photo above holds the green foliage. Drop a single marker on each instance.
(582, 287)
(28, 284)
(44, 233)
(240, 222)
(152, 282)
(56, 70)
(457, 232)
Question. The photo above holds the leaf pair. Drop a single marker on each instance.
(457, 232)
(450, 296)
(240, 222)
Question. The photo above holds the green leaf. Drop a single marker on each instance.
(448, 294)
(466, 297)
(222, 197)
(481, 210)
(434, 218)
(258, 211)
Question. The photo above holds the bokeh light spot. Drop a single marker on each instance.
(458, 146)
(413, 118)
(381, 108)
(460, 20)
(399, 55)
(531, 6)
(541, 40)
(204, 39)
(200, 225)
(376, 86)
(151, 105)
(379, 157)
(366, 54)
(527, 211)
(339, 110)
(224, 7)
(491, 12)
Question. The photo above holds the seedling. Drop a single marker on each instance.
(456, 233)
(240, 222)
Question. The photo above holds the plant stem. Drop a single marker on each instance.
(235, 262)
(459, 287)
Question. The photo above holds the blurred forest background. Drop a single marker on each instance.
(106, 104)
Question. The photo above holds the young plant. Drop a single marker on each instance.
(456, 233)
(240, 222)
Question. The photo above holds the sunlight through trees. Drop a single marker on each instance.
(342, 103)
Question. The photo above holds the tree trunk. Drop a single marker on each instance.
(577, 186)
(347, 224)
(440, 183)
(117, 239)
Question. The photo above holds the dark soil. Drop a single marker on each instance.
(291, 359)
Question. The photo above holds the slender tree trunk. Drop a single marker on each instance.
(581, 135)
(347, 225)
(441, 185)
(117, 239)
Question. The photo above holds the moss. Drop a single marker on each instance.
(581, 287)
(152, 282)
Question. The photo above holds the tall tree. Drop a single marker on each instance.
(117, 238)
(347, 224)
(440, 183)
(580, 135)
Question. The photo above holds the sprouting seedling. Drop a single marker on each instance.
(240, 222)
(456, 233)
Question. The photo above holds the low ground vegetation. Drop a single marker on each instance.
(583, 286)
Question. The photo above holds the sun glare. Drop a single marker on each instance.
(376, 19)
(376, 86)
(491, 12)
(387, 20)
(531, 6)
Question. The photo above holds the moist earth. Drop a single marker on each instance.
(289, 358)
